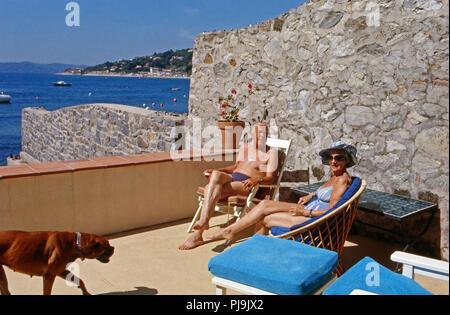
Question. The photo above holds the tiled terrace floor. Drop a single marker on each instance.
(148, 262)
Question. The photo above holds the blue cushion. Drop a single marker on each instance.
(278, 230)
(368, 275)
(354, 187)
(275, 265)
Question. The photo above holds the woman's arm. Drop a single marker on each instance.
(305, 199)
(338, 191)
(299, 210)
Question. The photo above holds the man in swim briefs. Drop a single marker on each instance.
(256, 164)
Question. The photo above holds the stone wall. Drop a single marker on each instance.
(95, 130)
(372, 73)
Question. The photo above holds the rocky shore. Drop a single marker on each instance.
(130, 75)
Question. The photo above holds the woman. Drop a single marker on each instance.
(267, 214)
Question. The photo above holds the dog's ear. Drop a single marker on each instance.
(94, 244)
(54, 257)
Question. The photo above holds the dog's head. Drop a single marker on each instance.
(94, 246)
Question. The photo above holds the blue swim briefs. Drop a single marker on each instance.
(238, 177)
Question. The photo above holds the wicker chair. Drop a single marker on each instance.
(330, 230)
(239, 205)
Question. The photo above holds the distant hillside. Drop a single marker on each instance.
(173, 61)
(30, 67)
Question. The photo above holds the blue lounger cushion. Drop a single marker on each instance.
(369, 275)
(351, 190)
(275, 265)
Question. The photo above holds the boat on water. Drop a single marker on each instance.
(62, 83)
(175, 89)
(5, 98)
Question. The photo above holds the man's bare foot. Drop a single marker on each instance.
(201, 225)
(192, 242)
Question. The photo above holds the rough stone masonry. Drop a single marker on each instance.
(95, 130)
(372, 73)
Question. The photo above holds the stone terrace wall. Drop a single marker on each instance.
(374, 74)
(95, 130)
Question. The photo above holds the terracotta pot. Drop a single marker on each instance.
(231, 133)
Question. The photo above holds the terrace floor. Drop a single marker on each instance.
(148, 262)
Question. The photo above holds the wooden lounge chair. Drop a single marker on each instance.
(330, 230)
(239, 205)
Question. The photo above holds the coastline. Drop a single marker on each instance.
(31, 90)
(130, 75)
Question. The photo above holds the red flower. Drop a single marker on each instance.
(233, 103)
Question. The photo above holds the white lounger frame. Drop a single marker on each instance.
(223, 284)
(414, 264)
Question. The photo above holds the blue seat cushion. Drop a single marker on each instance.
(369, 275)
(275, 265)
(351, 190)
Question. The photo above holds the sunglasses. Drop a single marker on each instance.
(337, 158)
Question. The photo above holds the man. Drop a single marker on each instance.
(254, 165)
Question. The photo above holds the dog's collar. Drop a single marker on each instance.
(79, 244)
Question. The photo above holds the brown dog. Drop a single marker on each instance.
(47, 254)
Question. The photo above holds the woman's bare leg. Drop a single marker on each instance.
(283, 219)
(260, 228)
(255, 216)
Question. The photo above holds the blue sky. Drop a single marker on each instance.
(36, 30)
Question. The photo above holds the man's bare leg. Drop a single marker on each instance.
(212, 195)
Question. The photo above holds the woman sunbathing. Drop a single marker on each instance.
(268, 214)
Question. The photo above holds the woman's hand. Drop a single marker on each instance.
(304, 200)
(298, 210)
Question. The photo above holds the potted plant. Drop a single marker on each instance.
(229, 124)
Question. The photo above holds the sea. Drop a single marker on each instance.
(37, 90)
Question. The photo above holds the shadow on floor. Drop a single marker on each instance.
(358, 247)
(138, 291)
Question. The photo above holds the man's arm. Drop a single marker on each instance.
(269, 176)
(227, 169)
(271, 169)
(230, 169)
